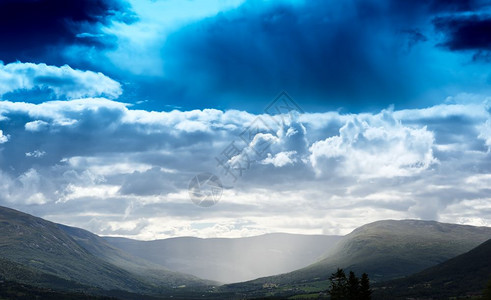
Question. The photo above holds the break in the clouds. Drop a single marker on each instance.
(126, 171)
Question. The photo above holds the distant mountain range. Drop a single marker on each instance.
(404, 259)
(231, 260)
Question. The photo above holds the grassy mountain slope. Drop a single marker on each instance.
(383, 249)
(24, 274)
(231, 260)
(150, 272)
(49, 254)
(466, 274)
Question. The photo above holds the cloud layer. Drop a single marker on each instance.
(126, 171)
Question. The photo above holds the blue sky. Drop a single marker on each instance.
(109, 108)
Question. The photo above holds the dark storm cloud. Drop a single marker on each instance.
(351, 54)
(256, 51)
(35, 29)
(466, 32)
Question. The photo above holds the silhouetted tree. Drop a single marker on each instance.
(353, 288)
(365, 291)
(339, 285)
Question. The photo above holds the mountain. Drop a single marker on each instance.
(39, 252)
(231, 260)
(38, 257)
(464, 275)
(152, 273)
(384, 249)
(391, 249)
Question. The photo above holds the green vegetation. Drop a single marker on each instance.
(462, 276)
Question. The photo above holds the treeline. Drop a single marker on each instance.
(349, 288)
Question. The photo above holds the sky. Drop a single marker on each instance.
(315, 116)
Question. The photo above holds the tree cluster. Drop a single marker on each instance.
(349, 288)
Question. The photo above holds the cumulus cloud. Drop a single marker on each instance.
(280, 159)
(63, 82)
(37, 125)
(374, 146)
(124, 165)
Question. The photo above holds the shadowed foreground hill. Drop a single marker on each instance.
(231, 260)
(466, 274)
(39, 252)
(385, 250)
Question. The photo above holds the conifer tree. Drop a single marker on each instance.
(339, 284)
(365, 291)
(353, 288)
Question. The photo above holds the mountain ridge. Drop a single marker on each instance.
(385, 249)
(47, 254)
(48, 251)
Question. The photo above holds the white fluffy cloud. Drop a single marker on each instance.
(374, 146)
(101, 165)
(280, 159)
(36, 125)
(63, 81)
